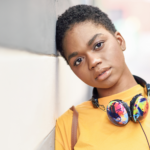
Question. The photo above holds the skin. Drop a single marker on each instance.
(90, 49)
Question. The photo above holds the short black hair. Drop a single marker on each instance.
(78, 14)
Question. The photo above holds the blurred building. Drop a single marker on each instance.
(131, 18)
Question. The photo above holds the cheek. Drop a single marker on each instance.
(116, 57)
(79, 73)
(82, 73)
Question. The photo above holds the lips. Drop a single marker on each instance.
(103, 73)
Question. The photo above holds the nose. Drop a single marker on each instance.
(93, 60)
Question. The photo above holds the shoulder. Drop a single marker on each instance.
(63, 128)
(64, 123)
(66, 118)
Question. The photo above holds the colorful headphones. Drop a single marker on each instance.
(119, 112)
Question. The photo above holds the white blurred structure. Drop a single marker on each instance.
(28, 98)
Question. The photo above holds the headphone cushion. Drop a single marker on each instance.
(132, 102)
(127, 108)
(117, 112)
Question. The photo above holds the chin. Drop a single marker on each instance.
(106, 84)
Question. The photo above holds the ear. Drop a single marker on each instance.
(120, 40)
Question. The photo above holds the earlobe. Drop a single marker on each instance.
(120, 40)
(123, 48)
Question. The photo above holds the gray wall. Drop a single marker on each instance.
(28, 25)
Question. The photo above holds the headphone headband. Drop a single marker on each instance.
(139, 80)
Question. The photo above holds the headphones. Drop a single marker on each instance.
(119, 112)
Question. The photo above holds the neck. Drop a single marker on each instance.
(125, 82)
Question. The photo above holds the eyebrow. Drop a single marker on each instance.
(72, 55)
(93, 38)
(89, 43)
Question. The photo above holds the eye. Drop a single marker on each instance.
(78, 61)
(98, 45)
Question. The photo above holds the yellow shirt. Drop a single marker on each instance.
(96, 132)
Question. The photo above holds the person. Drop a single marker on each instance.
(93, 48)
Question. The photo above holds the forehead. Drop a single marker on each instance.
(78, 36)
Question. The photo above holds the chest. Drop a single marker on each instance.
(99, 133)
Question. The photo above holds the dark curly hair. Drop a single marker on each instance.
(78, 14)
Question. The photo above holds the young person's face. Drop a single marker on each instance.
(94, 54)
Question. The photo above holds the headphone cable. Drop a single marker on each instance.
(144, 134)
(102, 107)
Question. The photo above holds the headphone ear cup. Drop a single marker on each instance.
(117, 112)
(139, 107)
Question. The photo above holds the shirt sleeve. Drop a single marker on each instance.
(63, 131)
(58, 139)
(58, 146)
